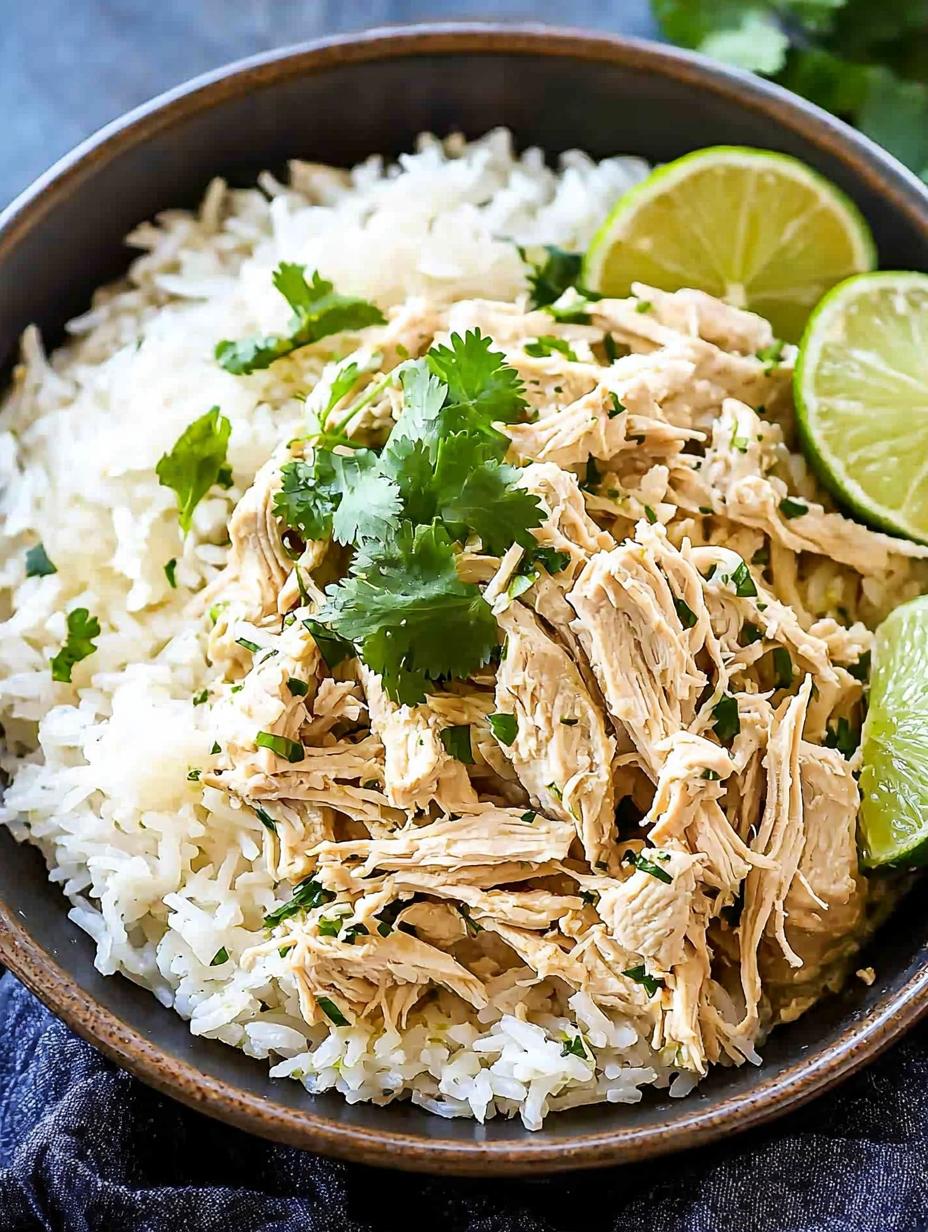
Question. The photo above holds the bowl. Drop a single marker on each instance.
(557, 88)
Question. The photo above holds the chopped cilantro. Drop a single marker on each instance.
(643, 305)
(547, 344)
(553, 560)
(611, 352)
(772, 354)
(685, 613)
(713, 776)
(37, 562)
(200, 698)
(570, 722)
(589, 897)
(727, 722)
(307, 895)
(297, 688)
(761, 556)
(650, 514)
(332, 1012)
(193, 776)
(782, 668)
(265, 818)
(334, 649)
(575, 1048)
(169, 570)
(283, 746)
(644, 865)
(216, 748)
(528, 816)
(792, 509)
(318, 311)
(456, 742)
(743, 582)
(550, 277)
(505, 727)
(247, 645)
(196, 462)
(749, 634)
(520, 584)
(221, 956)
(649, 983)
(617, 407)
(82, 629)
(843, 737)
(591, 475)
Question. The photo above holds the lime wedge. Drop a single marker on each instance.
(862, 398)
(894, 743)
(760, 230)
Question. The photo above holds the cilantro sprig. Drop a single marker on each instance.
(318, 311)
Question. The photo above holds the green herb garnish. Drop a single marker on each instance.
(196, 462)
(82, 629)
(505, 727)
(792, 509)
(456, 742)
(727, 722)
(318, 312)
(307, 895)
(37, 562)
(649, 983)
(283, 746)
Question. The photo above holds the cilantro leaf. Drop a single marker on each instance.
(82, 629)
(480, 383)
(38, 563)
(505, 727)
(727, 722)
(333, 648)
(307, 895)
(370, 503)
(197, 461)
(318, 311)
(456, 742)
(409, 616)
(547, 344)
(309, 494)
(460, 481)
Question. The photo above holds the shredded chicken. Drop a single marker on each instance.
(635, 800)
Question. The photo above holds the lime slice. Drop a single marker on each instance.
(894, 778)
(760, 230)
(862, 398)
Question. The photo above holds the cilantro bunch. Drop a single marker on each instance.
(439, 479)
(865, 60)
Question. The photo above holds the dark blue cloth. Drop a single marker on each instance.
(86, 1148)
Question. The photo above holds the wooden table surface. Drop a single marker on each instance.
(69, 66)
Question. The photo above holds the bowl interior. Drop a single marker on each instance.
(65, 239)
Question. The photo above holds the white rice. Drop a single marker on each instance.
(161, 873)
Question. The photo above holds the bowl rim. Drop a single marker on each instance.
(860, 1041)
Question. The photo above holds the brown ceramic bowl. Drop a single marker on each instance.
(62, 238)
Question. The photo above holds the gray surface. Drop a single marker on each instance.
(69, 66)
